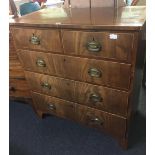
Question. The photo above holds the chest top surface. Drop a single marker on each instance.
(124, 18)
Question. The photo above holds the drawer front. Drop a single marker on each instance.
(99, 97)
(112, 124)
(88, 70)
(83, 114)
(37, 39)
(116, 46)
(18, 88)
(52, 105)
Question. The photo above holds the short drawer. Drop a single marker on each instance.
(55, 106)
(19, 88)
(108, 73)
(110, 45)
(37, 39)
(103, 121)
(98, 97)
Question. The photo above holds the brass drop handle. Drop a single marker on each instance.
(51, 106)
(93, 46)
(93, 72)
(34, 40)
(96, 120)
(95, 98)
(46, 85)
(40, 63)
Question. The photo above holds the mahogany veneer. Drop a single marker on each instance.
(111, 73)
(111, 100)
(83, 65)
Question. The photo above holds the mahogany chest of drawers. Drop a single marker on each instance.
(82, 64)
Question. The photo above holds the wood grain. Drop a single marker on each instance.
(98, 90)
(61, 108)
(110, 123)
(75, 42)
(49, 39)
(112, 74)
(41, 19)
(19, 88)
(112, 100)
(15, 69)
(81, 114)
(12, 50)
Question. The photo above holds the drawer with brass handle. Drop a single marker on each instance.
(107, 73)
(37, 39)
(110, 45)
(99, 97)
(80, 113)
(52, 105)
(101, 120)
(37, 61)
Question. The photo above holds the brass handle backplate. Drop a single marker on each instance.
(95, 98)
(51, 106)
(93, 46)
(46, 85)
(34, 40)
(40, 63)
(96, 121)
(93, 72)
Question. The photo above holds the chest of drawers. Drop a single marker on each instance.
(86, 70)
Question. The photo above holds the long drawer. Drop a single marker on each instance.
(88, 116)
(110, 45)
(101, 120)
(99, 97)
(113, 74)
(37, 39)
